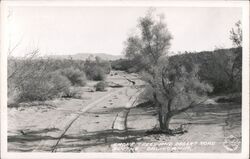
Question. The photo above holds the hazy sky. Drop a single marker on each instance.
(70, 30)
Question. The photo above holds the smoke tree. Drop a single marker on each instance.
(236, 34)
(236, 71)
(173, 88)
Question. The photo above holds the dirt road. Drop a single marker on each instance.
(97, 123)
(28, 132)
(109, 115)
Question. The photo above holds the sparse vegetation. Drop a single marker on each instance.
(220, 68)
(76, 77)
(73, 92)
(101, 86)
(123, 65)
(97, 70)
(43, 86)
(95, 73)
(37, 79)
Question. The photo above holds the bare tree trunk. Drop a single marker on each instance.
(164, 120)
(164, 114)
(160, 119)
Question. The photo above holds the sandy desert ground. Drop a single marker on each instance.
(95, 123)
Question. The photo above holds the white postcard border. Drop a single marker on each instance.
(245, 89)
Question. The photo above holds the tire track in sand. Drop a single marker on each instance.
(50, 145)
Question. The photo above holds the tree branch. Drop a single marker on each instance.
(191, 105)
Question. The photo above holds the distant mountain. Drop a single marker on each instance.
(84, 56)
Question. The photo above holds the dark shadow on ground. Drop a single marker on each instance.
(106, 110)
(31, 136)
(27, 140)
(105, 137)
(216, 107)
(206, 115)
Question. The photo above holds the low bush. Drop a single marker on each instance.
(60, 84)
(41, 87)
(95, 73)
(122, 65)
(101, 86)
(38, 79)
(73, 92)
(75, 76)
(97, 69)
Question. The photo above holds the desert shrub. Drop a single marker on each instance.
(101, 86)
(13, 97)
(76, 77)
(97, 69)
(105, 65)
(41, 87)
(33, 78)
(95, 73)
(122, 65)
(60, 84)
(98, 74)
(73, 92)
(220, 68)
(56, 64)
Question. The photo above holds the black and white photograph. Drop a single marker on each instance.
(125, 80)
